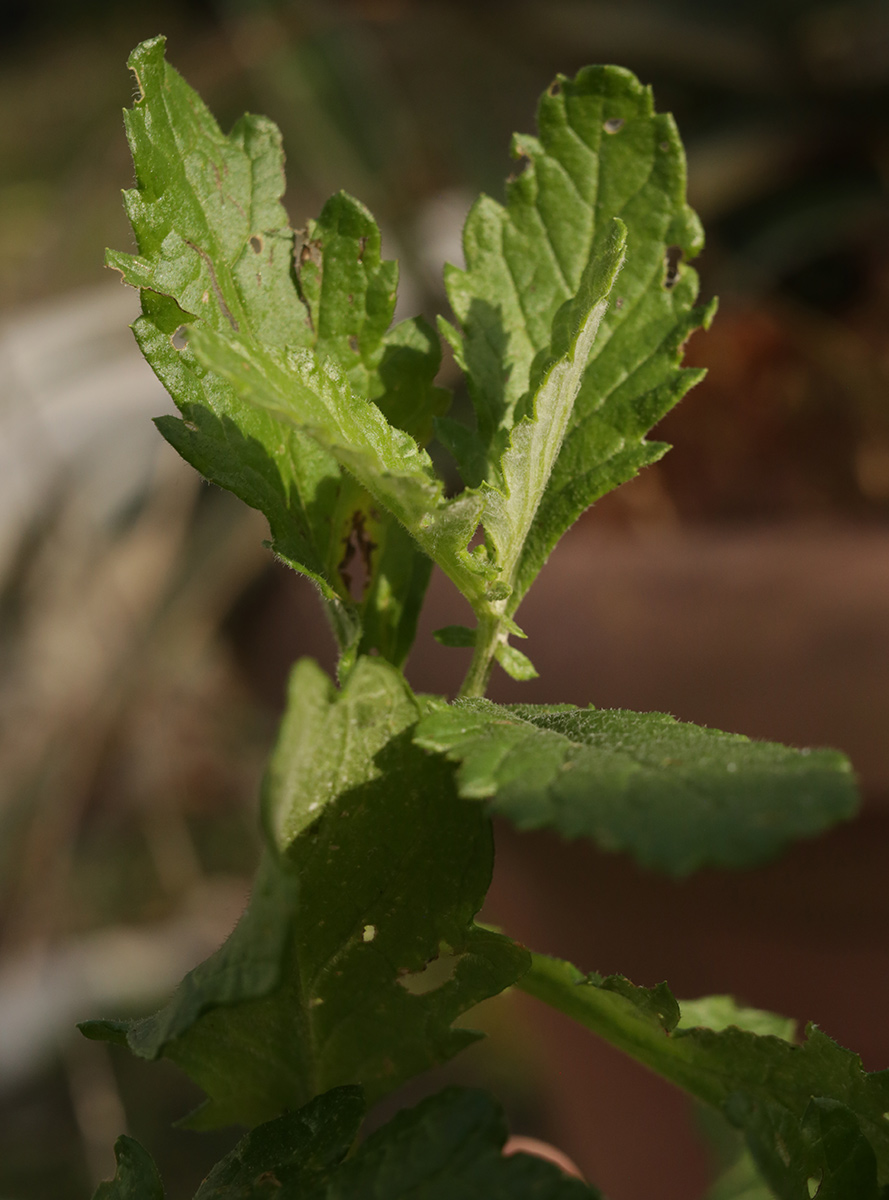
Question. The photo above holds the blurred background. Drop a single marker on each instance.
(146, 635)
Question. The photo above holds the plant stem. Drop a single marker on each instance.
(488, 636)
(346, 630)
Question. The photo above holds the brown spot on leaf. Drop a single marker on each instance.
(356, 565)
(310, 252)
(672, 259)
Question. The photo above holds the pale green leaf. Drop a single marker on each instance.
(376, 869)
(514, 663)
(720, 1065)
(719, 1012)
(350, 293)
(602, 153)
(215, 250)
(674, 795)
(316, 399)
(535, 441)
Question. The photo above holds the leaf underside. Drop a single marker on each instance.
(376, 868)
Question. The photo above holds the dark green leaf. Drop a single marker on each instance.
(716, 1064)
(449, 1148)
(136, 1177)
(376, 869)
(823, 1154)
(291, 1157)
(675, 796)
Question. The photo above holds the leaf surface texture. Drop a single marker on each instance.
(216, 253)
(674, 795)
(602, 153)
(375, 870)
(448, 1146)
(764, 1083)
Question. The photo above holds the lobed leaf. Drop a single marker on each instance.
(449, 1146)
(291, 1156)
(136, 1177)
(215, 251)
(752, 1077)
(602, 153)
(674, 795)
(375, 870)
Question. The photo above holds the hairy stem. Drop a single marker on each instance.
(488, 636)
(346, 629)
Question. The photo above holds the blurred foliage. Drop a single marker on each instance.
(135, 717)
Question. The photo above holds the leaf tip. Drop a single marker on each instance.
(147, 53)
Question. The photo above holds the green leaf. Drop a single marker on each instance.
(514, 663)
(720, 1012)
(602, 153)
(375, 870)
(823, 1154)
(535, 441)
(292, 1155)
(455, 635)
(715, 1065)
(136, 1177)
(215, 250)
(350, 294)
(676, 796)
(316, 399)
(740, 1181)
(449, 1146)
